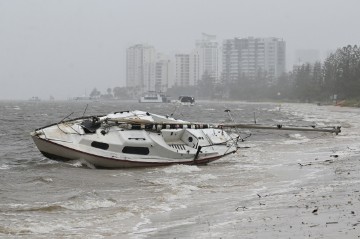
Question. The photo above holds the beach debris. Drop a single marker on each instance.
(308, 164)
(315, 211)
(314, 225)
(243, 208)
(331, 223)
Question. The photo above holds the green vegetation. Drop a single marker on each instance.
(337, 79)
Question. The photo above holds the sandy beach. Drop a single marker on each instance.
(322, 194)
(325, 206)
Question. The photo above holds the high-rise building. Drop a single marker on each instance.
(140, 67)
(163, 74)
(207, 51)
(191, 67)
(182, 70)
(187, 69)
(249, 57)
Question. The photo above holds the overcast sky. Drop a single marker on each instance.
(65, 48)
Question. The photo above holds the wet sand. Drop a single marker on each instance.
(299, 186)
(326, 207)
(314, 186)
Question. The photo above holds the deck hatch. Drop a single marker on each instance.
(136, 150)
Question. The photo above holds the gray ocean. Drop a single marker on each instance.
(41, 198)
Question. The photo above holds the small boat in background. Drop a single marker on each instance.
(153, 97)
(35, 99)
(185, 100)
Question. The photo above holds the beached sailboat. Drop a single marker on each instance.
(139, 139)
(133, 139)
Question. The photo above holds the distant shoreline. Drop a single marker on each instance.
(343, 103)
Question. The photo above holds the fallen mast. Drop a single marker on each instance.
(332, 129)
(169, 125)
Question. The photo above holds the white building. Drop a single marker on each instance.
(207, 50)
(190, 67)
(140, 67)
(163, 74)
(182, 70)
(249, 57)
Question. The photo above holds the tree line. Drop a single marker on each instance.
(122, 93)
(337, 78)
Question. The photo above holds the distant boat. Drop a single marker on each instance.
(185, 100)
(153, 97)
(35, 99)
(81, 98)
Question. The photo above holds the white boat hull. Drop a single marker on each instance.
(113, 145)
(58, 152)
(153, 97)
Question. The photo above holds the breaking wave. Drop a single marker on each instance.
(89, 204)
(181, 169)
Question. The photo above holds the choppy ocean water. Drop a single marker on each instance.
(41, 198)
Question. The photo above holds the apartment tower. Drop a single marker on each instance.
(140, 67)
(249, 57)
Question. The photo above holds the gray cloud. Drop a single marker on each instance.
(64, 48)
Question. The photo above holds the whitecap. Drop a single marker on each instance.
(43, 179)
(296, 139)
(204, 178)
(144, 221)
(180, 192)
(165, 181)
(297, 136)
(162, 207)
(4, 167)
(89, 204)
(81, 163)
(27, 229)
(181, 168)
(47, 179)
